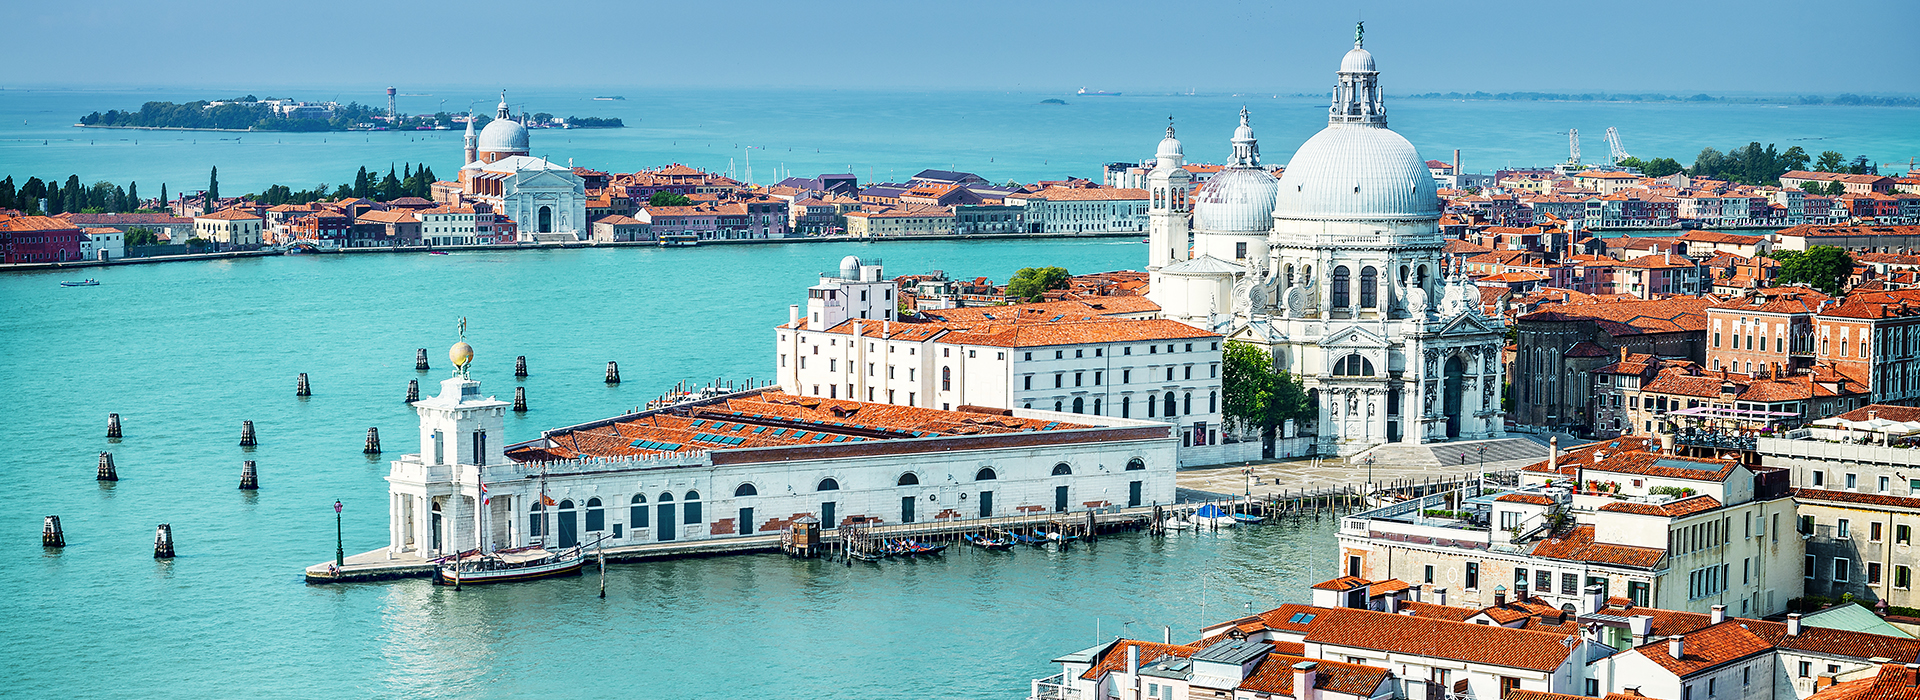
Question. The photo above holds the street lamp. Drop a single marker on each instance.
(1483, 458)
(1369, 471)
(339, 542)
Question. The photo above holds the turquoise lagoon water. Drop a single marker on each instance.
(185, 351)
(888, 135)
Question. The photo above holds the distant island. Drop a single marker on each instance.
(250, 113)
(1053, 101)
(1844, 99)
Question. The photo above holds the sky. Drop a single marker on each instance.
(1717, 47)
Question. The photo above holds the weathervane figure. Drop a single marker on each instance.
(461, 353)
(1359, 32)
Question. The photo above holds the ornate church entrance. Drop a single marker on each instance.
(1456, 374)
(546, 219)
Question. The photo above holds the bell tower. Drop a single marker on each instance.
(1168, 186)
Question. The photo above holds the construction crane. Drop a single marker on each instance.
(1616, 152)
(1573, 147)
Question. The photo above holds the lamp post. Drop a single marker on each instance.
(1369, 471)
(339, 541)
(1483, 458)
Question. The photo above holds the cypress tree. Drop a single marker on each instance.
(361, 183)
(163, 196)
(6, 193)
(76, 195)
(52, 197)
(133, 195)
(213, 187)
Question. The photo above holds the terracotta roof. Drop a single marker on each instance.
(396, 216)
(229, 215)
(1116, 656)
(1642, 463)
(1532, 498)
(1444, 639)
(1518, 694)
(1442, 612)
(1707, 649)
(1078, 194)
(37, 223)
(1702, 236)
(1586, 349)
(1578, 545)
(1872, 499)
(1618, 318)
(1893, 682)
(1344, 583)
(1584, 453)
(1274, 675)
(1673, 509)
(1041, 311)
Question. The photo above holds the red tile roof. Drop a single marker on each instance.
(230, 215)
(1274, 675)
(1443, 639)
(1674, 509)
(1871, 499)
(1578, 545)
(1893, 682)
(1116, 656)
(1533, 498)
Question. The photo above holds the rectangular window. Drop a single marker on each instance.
(1637, 592)
(1126, 376)
(1473, 575)
(1902, 576)
(1884, 484)
(1853, 481)
(1902, 534)
(1873, 531)
(1058, 379)
(1569, 583)
(1543, 581)
(1842, 570)
(1806, 524)
(1029, 382)
(1842, 529)
(1428, 574)
(1819, 478)
(1873, 573)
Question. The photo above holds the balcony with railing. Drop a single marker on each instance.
(1054, 687)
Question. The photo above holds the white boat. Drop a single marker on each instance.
(523, 564)
(1212, 516)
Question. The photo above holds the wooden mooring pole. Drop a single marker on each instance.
(303, 388)
(613, 373)
(113, 426)
(420, 360)
(249, 477)
(413, 390)
(246, 434)
(50, 534)
(520, 366)
(106, 472)
(519, 399)
(373, 442)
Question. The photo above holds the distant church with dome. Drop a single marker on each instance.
(546, 200)
(1336, 268)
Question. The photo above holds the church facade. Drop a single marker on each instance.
(547, 201)
(1336, 268)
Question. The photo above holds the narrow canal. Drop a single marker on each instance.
(186, 351)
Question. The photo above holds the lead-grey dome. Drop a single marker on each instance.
(1236, 200)
(504, 136)
(1357, 171)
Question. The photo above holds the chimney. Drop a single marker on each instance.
(1499, 596)
(1912, 675)
(793, 315)
(1456, 167)
(1519, 591)
(1133, 662)
(1166, 635)
(1640, 626)
(1305, 674)
(1719, 614)
(1793, 625)
(1553, 457)
(1676, 646)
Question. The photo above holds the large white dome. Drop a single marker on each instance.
(503, 136)
(1358, 60)
(1236, 200)
(1357, 171)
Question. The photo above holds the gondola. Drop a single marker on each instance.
(1024, 539)
(993, 544)
(89, 282)
(865, 556)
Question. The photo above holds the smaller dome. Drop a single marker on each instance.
(1358, 60)
(850, 267)
(504, 136)
(1169, 147)
(461, 354)
(1236, 200)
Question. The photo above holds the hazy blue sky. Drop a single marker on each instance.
(1714, 46)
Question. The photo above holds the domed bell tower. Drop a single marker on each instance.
(1168, 187)
(462, 435)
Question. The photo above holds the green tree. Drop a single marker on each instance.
(163, 197)
(1831, 162)
(1031, 283)
(74, 194)
(1632, 162)
(141, 235)
(1836, 188)
(6, 193)
(1254, 394)
(668, 199)
(1661, 167)
(361, 183)
(213, 187)
(389, 187)
(1708, 164)
(1822, 267)
(133, 196)
(1814, 187)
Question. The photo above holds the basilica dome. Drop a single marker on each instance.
(504, 136)
(1357, 171)
(1358, 60)
(1236, 200)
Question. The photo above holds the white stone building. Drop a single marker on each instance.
(1088, 210)
(1025, 356)
(750, 462)
(1342, 278)
(547, 201)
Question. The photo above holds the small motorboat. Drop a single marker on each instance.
(89, 282)
(1245, 519)
(1211, 515)
(1176, 522)
(436, 252)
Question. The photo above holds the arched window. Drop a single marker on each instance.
(745, 490)
(664, 497)
(1135, 464)
(1213, 402)
(985, 474)
(1057, 406)
(1169, 407)
(566, 504)
(1079, 405)
(637, 512)
(1062, 469)
(1096, 407)
(1186, 401)
(1126, 407)
(908, 479)
(1342, 289)
(946, 379)
(533, 518)
(1369, 287)
(1289, 275)
(1151, 406)
(828, 484)
(1353, 366)
(596, 516)
(692, 508)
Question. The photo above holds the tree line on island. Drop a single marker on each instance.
(1754, 165)
(247, 113)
